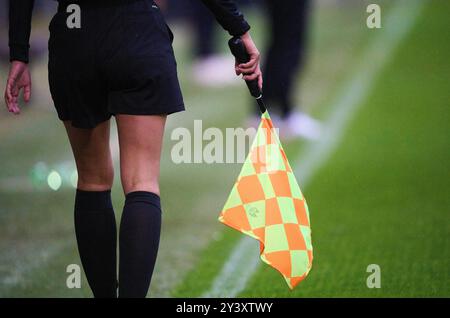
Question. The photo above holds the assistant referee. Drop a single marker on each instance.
(119, 61)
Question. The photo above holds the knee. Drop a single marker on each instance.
(131, 183)
(95, 179)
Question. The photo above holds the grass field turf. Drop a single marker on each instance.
(192, 238)
(383, 197)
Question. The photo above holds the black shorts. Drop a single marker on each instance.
(120, 61)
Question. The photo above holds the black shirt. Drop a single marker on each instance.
(20, 12)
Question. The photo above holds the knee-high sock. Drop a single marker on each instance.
(140, 229)
(95, 228)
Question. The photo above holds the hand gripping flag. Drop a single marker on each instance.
(267, 204)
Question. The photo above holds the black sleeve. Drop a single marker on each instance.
(20, 12)
(228, 15)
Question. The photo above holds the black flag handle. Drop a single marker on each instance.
(240, 53)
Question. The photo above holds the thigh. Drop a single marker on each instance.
(92, 154)
(140, 141)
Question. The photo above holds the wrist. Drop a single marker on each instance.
(17, 64)
(246, 36)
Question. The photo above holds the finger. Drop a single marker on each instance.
(15, 105)
(253, 60)
(27, 93)
(248, 70)
(8, 91)
(236, 67)
(11, 83)
(11, 98)
(11, 86)
(15, 91)
(260, 82)
(12, 106)
(6, 100)
(11, 93)
(247, 67)
(250, 77)
(14, 97)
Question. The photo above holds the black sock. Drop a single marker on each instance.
(95, 228)
(140, 229)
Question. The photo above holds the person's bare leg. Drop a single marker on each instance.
(140, 140)
(92, 154)
(95, 224)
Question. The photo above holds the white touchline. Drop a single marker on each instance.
(244, 259)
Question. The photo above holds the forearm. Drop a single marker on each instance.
(20, 12)
(228, 15)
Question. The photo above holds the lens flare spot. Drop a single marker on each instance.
(54, 180)
(74, 178)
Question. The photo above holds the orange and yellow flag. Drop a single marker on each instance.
(267, 204)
